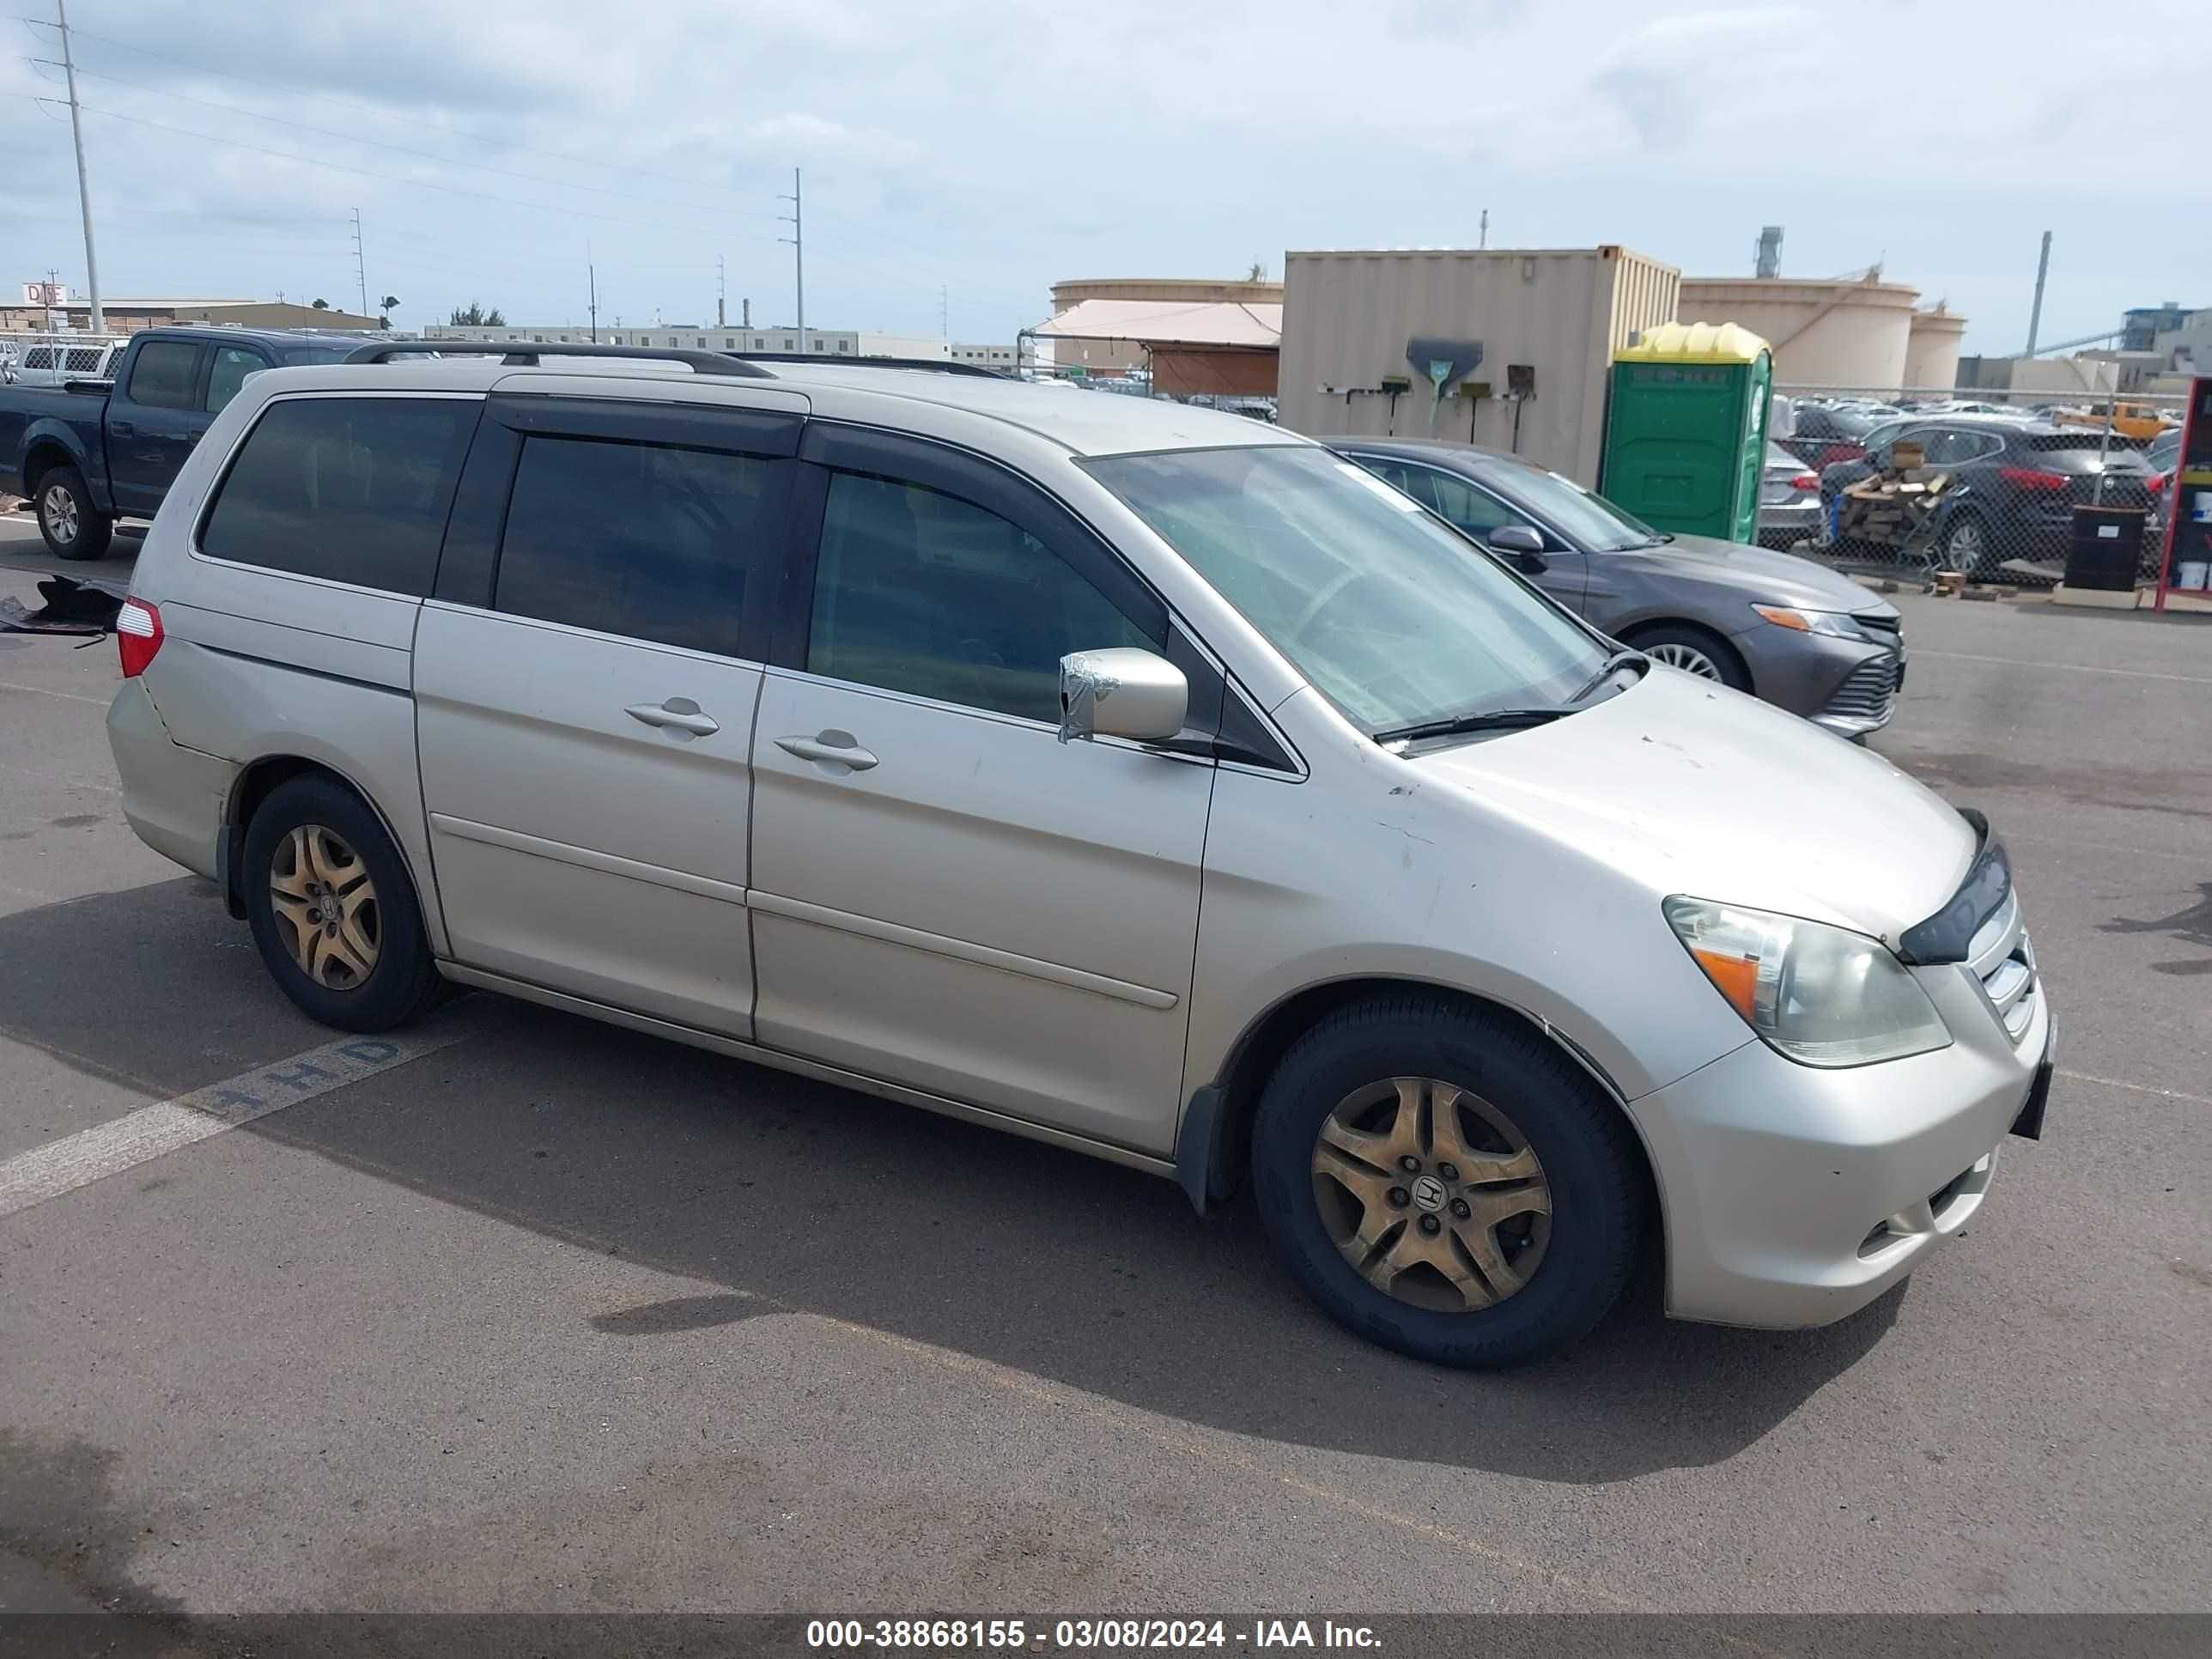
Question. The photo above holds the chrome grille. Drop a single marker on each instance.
(1868, 694)
(2003, 959)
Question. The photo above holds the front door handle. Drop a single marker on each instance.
(680, 713)
(837, 748)
(121, 429)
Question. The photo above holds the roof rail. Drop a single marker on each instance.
(934, 365)
(521, 355)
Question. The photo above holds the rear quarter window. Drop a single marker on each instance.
(350, 490)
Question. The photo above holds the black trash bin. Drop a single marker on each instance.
(2107, 548)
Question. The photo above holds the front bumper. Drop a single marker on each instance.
(1847, 686)
(1794, 1197)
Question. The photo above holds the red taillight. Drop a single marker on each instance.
(1806, 481)
(2027, 477)
(137, 635)
(2158, 482)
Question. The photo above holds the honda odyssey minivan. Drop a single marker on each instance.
(1130, 776)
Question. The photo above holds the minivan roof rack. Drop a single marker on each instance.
(934, 365)
(522, 354)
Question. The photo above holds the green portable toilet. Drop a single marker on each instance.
(1686, 432)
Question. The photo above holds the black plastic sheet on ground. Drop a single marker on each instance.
(80, 606)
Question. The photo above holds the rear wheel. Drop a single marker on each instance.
(1694, 650)
(72, 526)
(1445, 1182)
(1968, 548)
(333, 909)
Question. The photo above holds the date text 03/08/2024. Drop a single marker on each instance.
(1081, 1635)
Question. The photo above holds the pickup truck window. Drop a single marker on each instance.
(232, 365)
(162, 376)
(352, 489)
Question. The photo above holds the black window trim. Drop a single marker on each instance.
(238, 447)
(981, 480)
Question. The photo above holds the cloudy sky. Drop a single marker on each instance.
(981, 149)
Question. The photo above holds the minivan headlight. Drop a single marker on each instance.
(1819, 995)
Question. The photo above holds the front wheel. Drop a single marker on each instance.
(1967, 547)
(1446, 1182)
(1693, 650)
(72, 526)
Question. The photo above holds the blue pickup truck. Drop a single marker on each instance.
(87, 452)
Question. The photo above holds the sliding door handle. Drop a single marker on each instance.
(680, 713)
(833, 747)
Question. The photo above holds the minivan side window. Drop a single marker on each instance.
(920, 592)
(162, 376)
(646, 540)
(353, 489)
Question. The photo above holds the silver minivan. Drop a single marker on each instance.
(1134, 777)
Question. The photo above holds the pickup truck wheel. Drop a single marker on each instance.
(1446, 1182)
(73, 527)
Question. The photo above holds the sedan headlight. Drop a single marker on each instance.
(1837, 623)
(1819, 995)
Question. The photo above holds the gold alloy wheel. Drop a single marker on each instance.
(326, 907)
(1432, 1194)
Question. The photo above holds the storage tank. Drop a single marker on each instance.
(1850, 333)
(1554, 315)
(1931, 349)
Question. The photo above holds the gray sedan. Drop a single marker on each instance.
(1786, 630)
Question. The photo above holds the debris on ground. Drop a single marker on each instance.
(80, 605)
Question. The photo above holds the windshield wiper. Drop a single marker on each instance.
(1488, 720)
(1614, 664)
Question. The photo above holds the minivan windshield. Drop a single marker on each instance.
(1386, 612)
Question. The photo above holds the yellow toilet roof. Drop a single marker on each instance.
(1694, 342)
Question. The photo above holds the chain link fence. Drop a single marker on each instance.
(40, 359)
(1910, 482)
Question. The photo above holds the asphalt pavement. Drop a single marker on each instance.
(535, 1314)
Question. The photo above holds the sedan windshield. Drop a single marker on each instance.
(1591, 522)
(1388, 614)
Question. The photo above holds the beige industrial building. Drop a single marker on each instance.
(1112, 357)
(1931, 348)
(128, 316)
(1547, 320)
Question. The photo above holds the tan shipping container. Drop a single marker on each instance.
(1347, 318)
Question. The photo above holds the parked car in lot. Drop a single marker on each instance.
(1782, 627)
(884, 726)
(2022, 482)
(1789, 500)
(1821, 435)
(50, 364)
(87, 453)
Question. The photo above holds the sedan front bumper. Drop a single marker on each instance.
(1847, 686)
(1794, 1197)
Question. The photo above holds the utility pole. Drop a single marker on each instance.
(360, 263)
(747, 308)
(592, 279)
(721, 294)
(2035, 313)
(98, 319)
(1486, 229)
(798, 240)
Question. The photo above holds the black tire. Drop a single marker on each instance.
(1727, 666)
(1588, 1159)
(403, 980)
(92, 529)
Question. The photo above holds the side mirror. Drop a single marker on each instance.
(1521, 546)
(1120, 693)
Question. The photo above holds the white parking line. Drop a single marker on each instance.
(151, 1132)
(2069, 667)
(41, 691)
